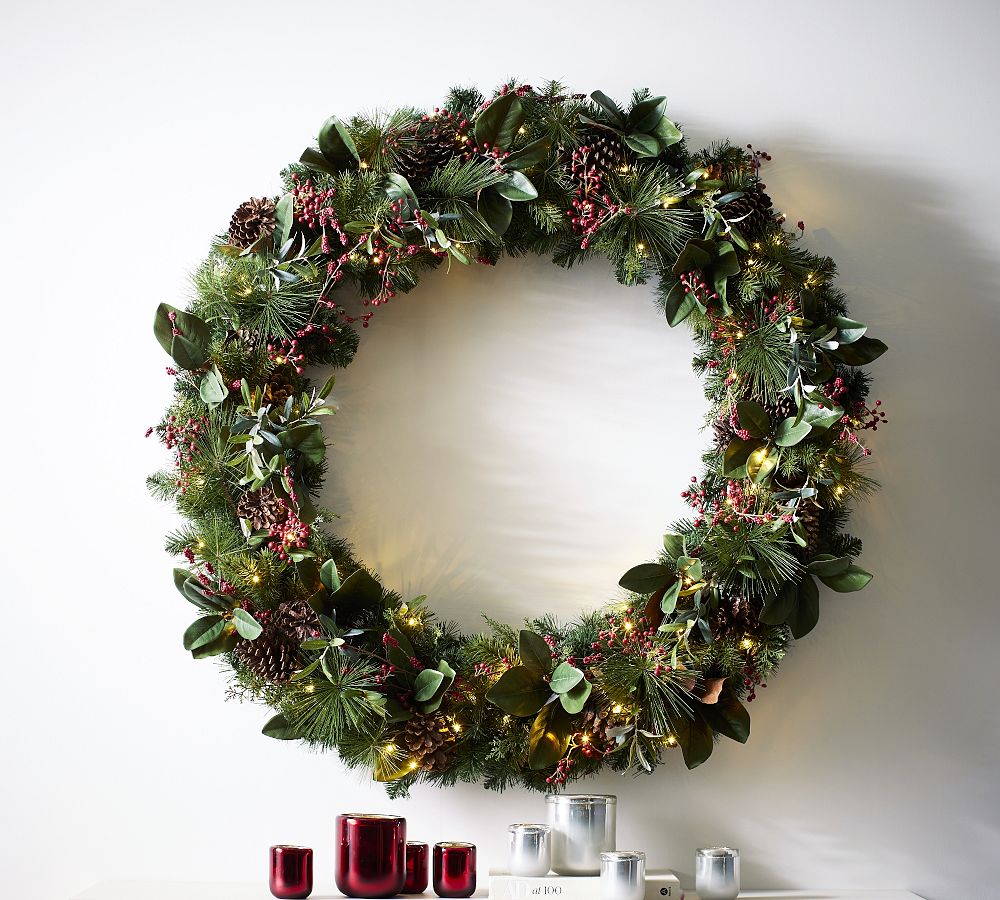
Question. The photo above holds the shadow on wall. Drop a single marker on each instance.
(872, 762)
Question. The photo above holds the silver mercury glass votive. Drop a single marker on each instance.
(717, 873)
(530, 850)
(623, 875)
(583, 827)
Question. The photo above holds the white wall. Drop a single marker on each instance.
(559, 420)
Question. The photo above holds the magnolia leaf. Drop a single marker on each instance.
(549, 737)
(643, 145)
(496, 211)
(574, 700)
(225, 643)
(307, 439)
(329, 576)
(536, 656)
(337, 145)
(694, 735)
(667, 133)
(565, 678)
(283, 219)
(863, 351)
(761, 463)
(646, 578)
(529, 155)
(498, 124)
(804, 617)
(280, 729)
(312, 158)
(696, 255)
(516, 186)
(789, 432)
(646, 114)
(397, 187)
(188, 348)
(736, 456)
(826, 565)
(678, 304)
(728, 717)
(359, 592)
(777, 609)
(247, 626)
(519, 692)
(203, 631)
(753, 418)
(612, 109)
(848, 331)
(854, 578)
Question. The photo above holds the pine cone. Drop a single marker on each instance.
(273, 656)
(809, 517)
(428, 740)
(251, 221)
(754, 210)
(297, 619)
(261, 509)
(430, 146)
(735, 616)
(276, 392)
(595, 723)
(608, 153)
(782, 409)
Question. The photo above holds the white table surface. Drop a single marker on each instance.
(204, 890)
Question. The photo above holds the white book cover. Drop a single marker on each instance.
(660, 885)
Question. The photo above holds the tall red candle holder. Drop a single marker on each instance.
(454, 869)
(370, 855)
(417, 868)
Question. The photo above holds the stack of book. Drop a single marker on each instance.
(662, 885)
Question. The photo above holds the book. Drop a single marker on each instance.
(660, 885)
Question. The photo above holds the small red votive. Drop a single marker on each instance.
(291, 872)
(454, 869)
(370, 855)
(417, 868)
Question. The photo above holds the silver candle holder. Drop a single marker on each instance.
(583, 827)
(529, 850)
(717, 873)
(623, 875)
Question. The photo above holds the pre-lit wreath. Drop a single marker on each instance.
(350, 665)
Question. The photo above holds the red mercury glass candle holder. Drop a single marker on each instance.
(371, 855)
(417, 868)
(291, 875)
(454, 869)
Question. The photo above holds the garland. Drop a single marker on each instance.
(345, 663)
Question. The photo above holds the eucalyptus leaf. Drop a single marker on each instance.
(574, 700)
(565, 678)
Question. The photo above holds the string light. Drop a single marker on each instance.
(255, 579)
(362, 165)
(617, 709)
(414, 765)
(390, 748)
(309, 688)
(201, 545)
(671, 741)
(641, 247)
(456, 728)
(747, 643)
(585, 739)
(413, 621)
(627, 625)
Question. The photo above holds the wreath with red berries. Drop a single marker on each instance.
(348, 664)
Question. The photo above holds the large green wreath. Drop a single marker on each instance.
(348, 664)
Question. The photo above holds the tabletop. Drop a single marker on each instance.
(204, 890)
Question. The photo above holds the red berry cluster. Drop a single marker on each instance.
(310, 340)
(590, 207)
(313, 211)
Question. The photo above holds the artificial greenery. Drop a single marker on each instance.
(348, 664)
